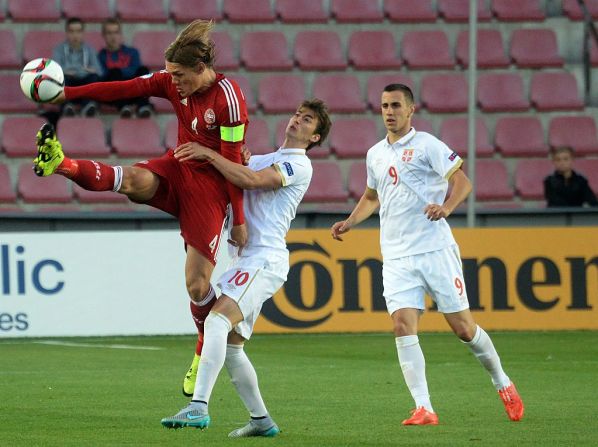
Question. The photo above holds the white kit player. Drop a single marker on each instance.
(408, 174)
(277, 183)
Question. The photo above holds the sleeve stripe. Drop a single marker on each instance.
(231, 98)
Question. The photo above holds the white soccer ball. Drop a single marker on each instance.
(42, 80)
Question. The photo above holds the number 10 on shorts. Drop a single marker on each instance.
(239, 278)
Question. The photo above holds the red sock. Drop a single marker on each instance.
(88, 174)
(199, 345)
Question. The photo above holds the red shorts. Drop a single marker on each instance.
(196, 195)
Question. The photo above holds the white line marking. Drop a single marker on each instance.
(93, 345)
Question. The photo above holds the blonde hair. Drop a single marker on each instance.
(193, 45)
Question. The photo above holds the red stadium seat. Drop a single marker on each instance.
(426, 50)
(186, 11)
(83, 137)
(376, 84)
(33, 11)
(340, 92)
(34, 189)
(444, 93)
(373, 50)
(18, 135)
(455, 11)
(171, 133)
(573, 11)
(518, 10)
(95, 39)
(356, 11)
(85, 196)
(141, 11)
(226, 54)
(281, 93)
(39, 43)
(319, 50)
(265, 50)
(8, 50)
(135, 138)
(248, 11)
(410, 11)
(306, 11)
(327, 184)
(351, 138)
(315, 152)
(247, 91)
(520, 137)
(87, 10)
(258, 138)
(501, 92)
(161, 105)
(422, 125)
(490, 51)
(492, 181)
(578, 132)
(529, 178)
(588, 167)
(535, 48)
(551, 91)
(593, 53)
(453, 131)
(7, 191)
(358, 178)
(151, 46)
(12, 99)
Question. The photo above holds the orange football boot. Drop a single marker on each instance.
(513, 403)
(421, 416)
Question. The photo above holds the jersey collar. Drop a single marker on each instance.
(403, 140)
(292, 151)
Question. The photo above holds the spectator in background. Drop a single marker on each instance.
(80, 64)
(121, 63)
(565, 187)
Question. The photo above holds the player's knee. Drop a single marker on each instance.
(402, 328)
(465, 331)
(139, 184)
(198, 288)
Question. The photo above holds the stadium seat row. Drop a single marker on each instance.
(440, 93)
(493, 183)
(323, 50)
(288, 11)
(349, 138)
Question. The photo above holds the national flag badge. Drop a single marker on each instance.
(407, 155)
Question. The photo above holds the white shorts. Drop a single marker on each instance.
(438, 273)
(250, 281)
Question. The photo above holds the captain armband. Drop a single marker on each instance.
(232, 134)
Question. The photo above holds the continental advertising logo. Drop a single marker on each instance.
(515, 278)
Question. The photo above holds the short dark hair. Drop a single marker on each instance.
(557, 150)
(72, 20)
(403, 88)
(110, 21)
(324, 124)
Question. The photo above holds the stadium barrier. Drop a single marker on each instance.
(125, 283)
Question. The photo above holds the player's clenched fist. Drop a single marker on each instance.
(339, 228)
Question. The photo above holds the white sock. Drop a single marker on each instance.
(413, 365)
(483, 348)
(243, 377)
(217, 327)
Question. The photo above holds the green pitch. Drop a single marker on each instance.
(322, 390)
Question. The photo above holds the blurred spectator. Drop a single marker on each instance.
(565, 187)
(120, 63)
(80, 64)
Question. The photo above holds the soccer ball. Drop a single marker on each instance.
(42, 80)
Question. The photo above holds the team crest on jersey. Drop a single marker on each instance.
(407, 155)
(209, 116)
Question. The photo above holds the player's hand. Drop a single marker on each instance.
(436, 212)
(339, 228)
(245, 155)
(59, 99)
(238, 236)
(193, 151)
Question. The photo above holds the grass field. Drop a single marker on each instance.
(323, 390)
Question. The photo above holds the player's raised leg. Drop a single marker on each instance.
(481, 346)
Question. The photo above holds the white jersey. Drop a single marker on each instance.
(408, 175)
(268, 213)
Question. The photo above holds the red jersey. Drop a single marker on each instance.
(215, 118)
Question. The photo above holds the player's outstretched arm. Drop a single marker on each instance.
(368, 203)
